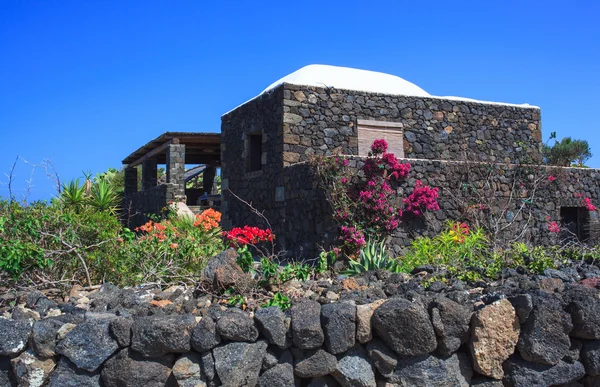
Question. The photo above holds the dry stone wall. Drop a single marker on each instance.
(382, 331)
(519, 206)
(324, 120)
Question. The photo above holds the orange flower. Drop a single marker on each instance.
(174, 245)
(208, 219)
(147, 227)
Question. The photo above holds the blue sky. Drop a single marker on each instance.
(85, 83)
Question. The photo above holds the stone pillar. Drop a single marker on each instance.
(208, 179)
(176, 169)
(131, 177)
(149, 174)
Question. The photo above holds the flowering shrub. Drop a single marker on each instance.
(421, 199)
(367, 203)
(247, 235)
(208, 219)
(587, 203)
(553, 227)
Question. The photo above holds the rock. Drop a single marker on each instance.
(544, 336)
(306, 325)
(7, 377)
(208, 366)
(584, 308)
(31, 371)
(43, 336)
(432, 371)
(205, 336)
(353, 369)
(451, 324)
(281, 375)
(274, 325)
(486, 382)
(222, 270)
(523, 305)
(187, 370)
(269, 361)
(14, 336)
(121, 330)
(156, 336)
(23, 313)
(574, 351)
(326, 381)
(590, 357)
(494, 335)
(61, 333)
(405, 327)
(364, 313)
(339, 326)
(239, 363)
(88, 345)
(521, 373)
(237, 327)
(383, 358)
(130, 369)
(315, 363)
(67, 375)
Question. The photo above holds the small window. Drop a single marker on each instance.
(575, 222)
(369, 131)
(254, 161)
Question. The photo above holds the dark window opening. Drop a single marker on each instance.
(575, 223)
(255, 152)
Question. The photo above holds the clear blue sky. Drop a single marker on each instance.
(84, 83)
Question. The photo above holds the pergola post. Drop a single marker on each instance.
(149, 173)
(131, 177)
(208, 179)
(176, 168)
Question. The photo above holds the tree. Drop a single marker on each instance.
(567, 152)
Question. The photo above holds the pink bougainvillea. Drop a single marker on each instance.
(553, 227)
(379, 147)
(551, 178)
(422, 198)
(587, 202)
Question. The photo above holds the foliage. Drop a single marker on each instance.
(171, 250)
(567, 152)
(98, 195)
(367, 203)
(373, 256)
(49, 241)
(459, 249)
(325, 261)
(280, 300)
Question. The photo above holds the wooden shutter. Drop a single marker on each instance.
(369, 131)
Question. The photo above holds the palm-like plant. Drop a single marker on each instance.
(73, 195)
(103, 197)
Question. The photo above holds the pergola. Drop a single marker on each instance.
(175, 150)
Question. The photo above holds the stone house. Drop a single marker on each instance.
(325, 109)
(450, 142)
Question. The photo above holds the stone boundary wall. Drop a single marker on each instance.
(308, 224)
(324, 120)
(545, 336)
(148, 201)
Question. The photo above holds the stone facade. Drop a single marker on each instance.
(447, 141)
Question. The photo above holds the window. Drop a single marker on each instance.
(575, 223)
(254, 160)
(369, 131)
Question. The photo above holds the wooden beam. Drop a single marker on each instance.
(154, 152)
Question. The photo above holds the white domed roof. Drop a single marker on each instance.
(350, 79)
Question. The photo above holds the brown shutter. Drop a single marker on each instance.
(369, 131)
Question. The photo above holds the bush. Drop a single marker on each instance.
(50, 241)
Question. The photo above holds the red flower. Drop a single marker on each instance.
(553, 227)
(551, 178)
(379, 146)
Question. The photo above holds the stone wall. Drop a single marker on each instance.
(138, 205)
(260, 188)
(516, 204)
(508, 336)
(321, 120)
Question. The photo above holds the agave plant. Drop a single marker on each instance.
(373, 256)
(73, 194)
(103, 197)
